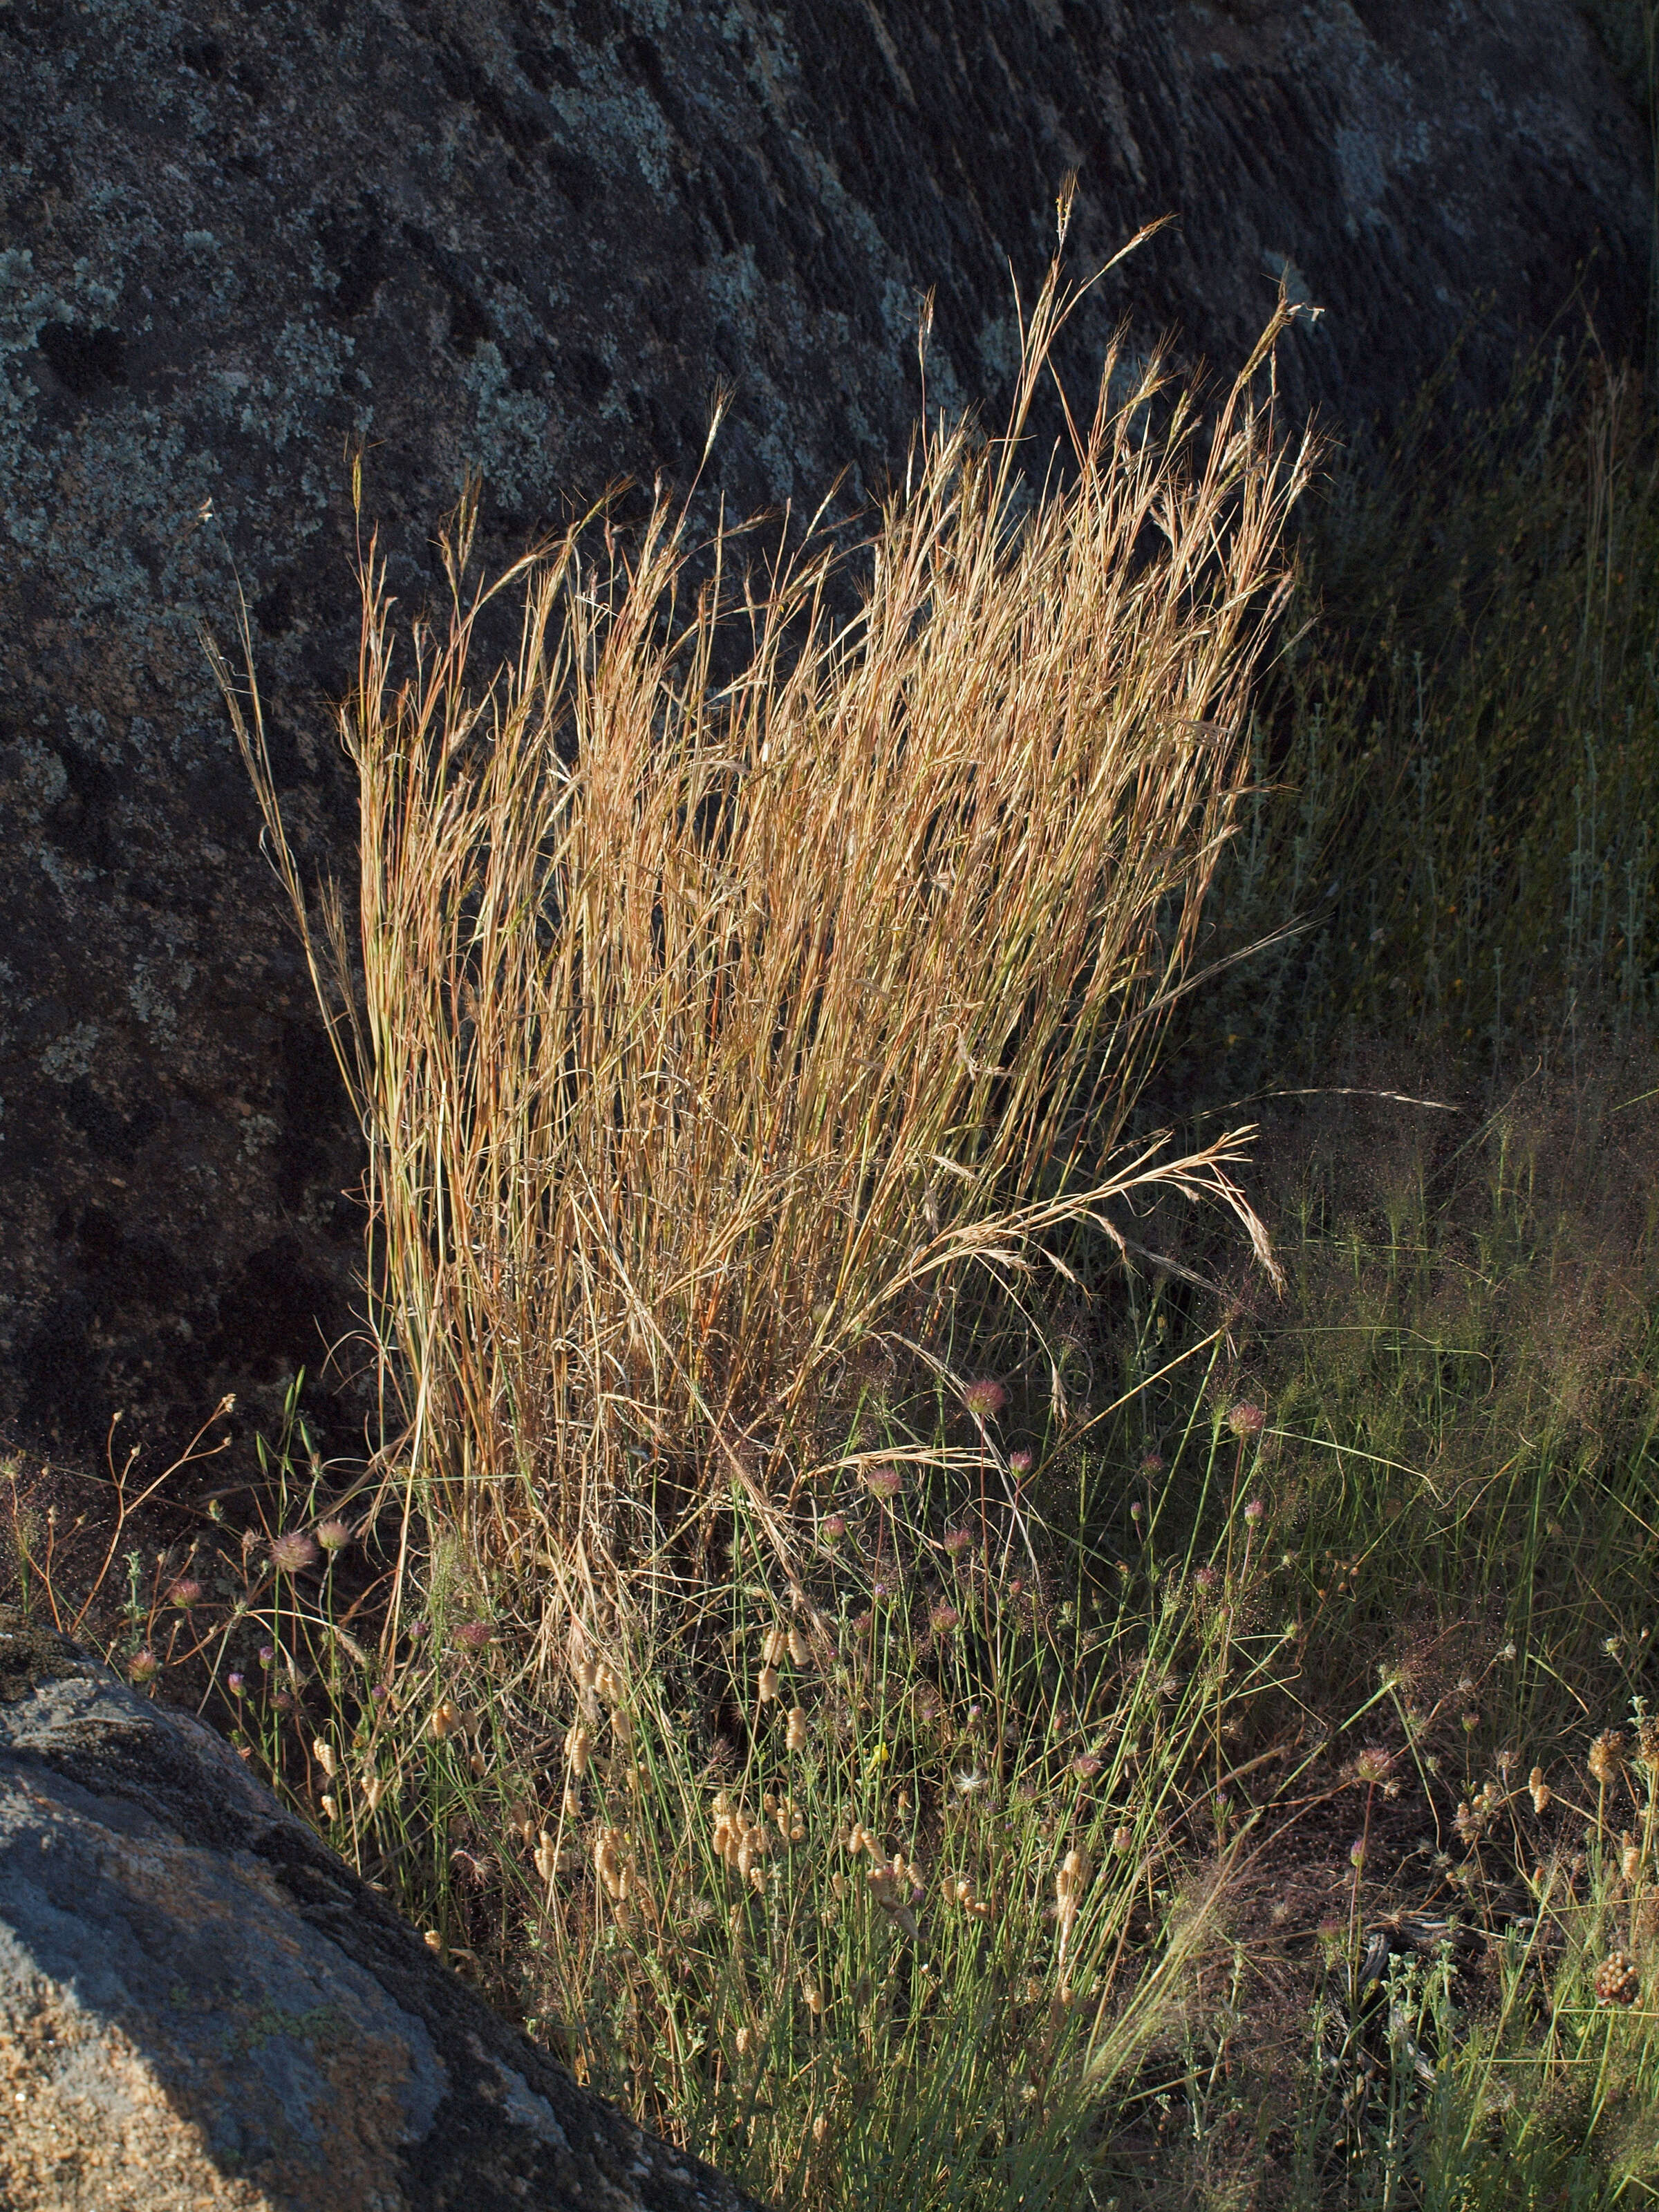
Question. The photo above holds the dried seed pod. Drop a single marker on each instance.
(799, 1650)
(1606, 1756)
(1542, 1792)
(578, 1748)
(774, 1643)
(1617, 1981)
(1630, 1857)
(795, 1738)
(769, 1684)
(443, 1721)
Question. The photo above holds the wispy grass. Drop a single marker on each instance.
(710, 1033)
(1454, 779)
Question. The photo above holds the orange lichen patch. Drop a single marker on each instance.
(88, 2124)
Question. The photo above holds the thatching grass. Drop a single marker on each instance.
(710, 1034)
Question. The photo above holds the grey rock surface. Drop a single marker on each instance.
(200, 2005)
(531, 235)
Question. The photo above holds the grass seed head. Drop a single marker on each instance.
(1607, 1758)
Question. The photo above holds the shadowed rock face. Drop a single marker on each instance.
(202, 2006)
(532, 236)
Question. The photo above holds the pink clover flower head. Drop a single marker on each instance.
(333, 1536)
(292, 1553)
(143, 1666)
(1245, 1419)
(985, 1398)
(235, 1683)
(1021, 1463)
(833, 1529)
(956, 1541)
(884, 1481)
(1206, 1579)
(1254, 1510)
(1085, 1765)
(473, 1635)
(267, 1655)
(1153, 1464)
(184, 1593)
(942, 1618)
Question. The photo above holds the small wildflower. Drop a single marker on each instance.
(266, 1654)
(1373, 1767)
(882, 1481)
(1136, 1513)
(1471, 1722)
(1021, 1463)
(333, 1536)
(1152, 1462)
(473, 1635)
(1245, 1419)
(235, 1683)
(1254, 1510)
(1086, 1766)
(1206, 1579)
(184, 1593)
(1357, 1853)
(968, 1780)
(942, 1618)
(143, 1666)
(956, 1541)
(291, 1553)
(832, 1530)
(985, 1398)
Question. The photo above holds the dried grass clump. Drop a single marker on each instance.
(708, 1035)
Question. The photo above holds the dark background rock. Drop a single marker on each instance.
(533, 236)
(201, 2006)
